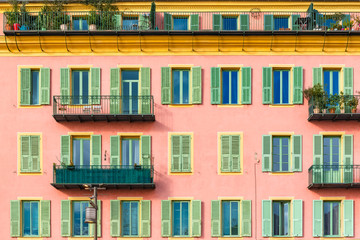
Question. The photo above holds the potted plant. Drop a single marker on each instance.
(24, 17)
(93, 20)
(357, 22)
(152, 15)
(352, 103)
(348, 24)
(316, 96)
(103, 15)
(333, 102)
(12, 17)
(342, 102)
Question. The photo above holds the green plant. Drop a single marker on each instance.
(316, 95)
(353, 102)
(348, 24)
(152, 15)
(104, 14)
(13, 16)
(342, 100)
(333, 101)
(94, 18)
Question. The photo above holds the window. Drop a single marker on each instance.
(130, 91)
(279, 215)
(333, 218)
(30, 156)
(178, 215)
(80, 86)
(30, 218)
(73, 219)
(231, 218)
(137, 22)
(331, 82)
(128, 147)
(278, 84)
(328, 166)
(80, 23)
(230, 22)
(334, 80)
(130, 23)
(181, 153)
(181, 23)
(277, 156)
(81, 150)
(230, 153)
(34, 86)
(181, 85)
(280, 22)
(230, 86)
(126, 217)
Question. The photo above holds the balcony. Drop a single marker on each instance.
(344, 106)
(103, 108)
(334, 176)
(111, 177)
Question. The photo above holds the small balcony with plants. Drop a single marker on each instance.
(324, 106)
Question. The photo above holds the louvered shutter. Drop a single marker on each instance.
(235, 153)
(165, 218)
(246, 218)
(215, 85)
(196, 85)
(267, 85)
(246, 85)
(266, 153)
(45, 218)
(165, 85)
(96, 150)
(196, 218)
(297, 218)
(317, 218)
(145, 91)
(217, 22)
(215, 218)
(65, 149)
(45, 86)
(225, 153)
(65, 85)
(25, 154)
(244, 22)
(194, 22)
(145, 218)
(348, 206)
(266, 218)
(145, 150)
(298, 85)
(114, 150)
(348, 158)
(186, 153)
(65, 218)
(15, 218)
(348, 81)
(25, 86)
(317, 158)
(114, 91)
(95, 85)
(175, 153)
(296, 153)
(317, 76)
(268, 22)
(35, 154)
(115, 218)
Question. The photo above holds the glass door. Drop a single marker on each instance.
(130, 91)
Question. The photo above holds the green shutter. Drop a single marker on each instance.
(35, 153)
(317, 76)
(65, 149)
(114, 150)
(235, 153)
(215, 85)
(295, 26)
(317, 218)
(268, 22)
(297, 153)
(145, 91)
(266, 218)
(96, 150)
(145, 150)
(246, 218)
(225, 153)
(25, 85)
(266, 153)
(297, 218)
(298, 85)
(317, 158)
(194, 22)
(95, 85)
(65, 218)
(348, 218)
(348, 158)
(348, 81)
(145, 218)
(143, 22)
(216, 22)
(175, 153)
(267, 85)
(45, 86)
(215, 218)
(15, 218)
(196, 85)
(186, 153)
(45, 218)
(25, 154)
(98, 224)
(167, 21)
(244, 22)
(166, 85)
(65, 85)
(165, 218)
(115, 218)
(196, 218)
(117, 19)
(114, 90)
(246, 85)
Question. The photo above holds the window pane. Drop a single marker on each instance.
(34, 87)
(327, 82)
(335, 218)
(185, 218)
(276, 218)
(335, 82)
(285, 87)
(85, 226)
(176, 223)
(234, 87)
(185, 87)
(229, 23)
(134, 218)
(281, 22)
(135, 152)
(34, 218)
(176, 88)
(225, 87)
(26, 218)
(76, 86)
(285, 154)
(125, 218)
(327, 218)
(286, 218)
(130, 23)
(234, 218)
(125, 150)
(226, 218)
(180, 23)
(277, 97)
(126, 97)
(76, 24)
(276, 154)
(77, 218)
(129, 75)
(85, 87)
(84, 25)
(134, 99)
(86, 152)
(76, 152)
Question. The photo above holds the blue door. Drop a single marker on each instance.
(130, 91)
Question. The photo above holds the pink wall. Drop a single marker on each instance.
(203, 120)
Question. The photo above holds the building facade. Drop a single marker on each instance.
(192, 118)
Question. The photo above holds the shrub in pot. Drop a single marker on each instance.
(333, 102)
(316, 96)
(353, 103)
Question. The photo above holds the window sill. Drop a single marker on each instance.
(281, 237)
(230, 173)
(29, 238)
(30, 106)
(182, 105)
(119, 238)
(230, 105)
(28, 174)
(180, 173)
(281, 173)
(230, 237)
(282, 105)
(180, 238)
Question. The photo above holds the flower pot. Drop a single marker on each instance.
(24, 27)
(353, 110)
(8, 27)
(92, 27)
(63, 27)
(331, 110)
(324, 111)
(342, 110)
(16, 26)
(43, 29)
(316, 110)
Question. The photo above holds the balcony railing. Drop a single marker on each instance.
(103, 108)
(252, 21)
(334, 176)
(108, 176)
(326, 107)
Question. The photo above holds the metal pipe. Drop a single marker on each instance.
(96, 212)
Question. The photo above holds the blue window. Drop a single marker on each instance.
(281, 218)
(281, 87)
(130, 151)
(181, 218)
(331, 160)
(280, 154)
(331, 219)
(129, 218)
(180, 23)
(80, 86)
(130, 23)
(81, 151)
(331, 81)
(181, 86)
(80, 23)
(30, 224)
(80, 228)
(230, 218)
(229, 23)
(281, 23)
(130, 91)
(35, 87)
(230, 86)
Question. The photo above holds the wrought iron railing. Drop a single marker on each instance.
(334, 174)
(119, 174)
(340, 104)
(103, 105)
(254, 20)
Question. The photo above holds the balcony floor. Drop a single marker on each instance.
(103, 117)
(106, 185)
(333, 185)
(334, 117)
